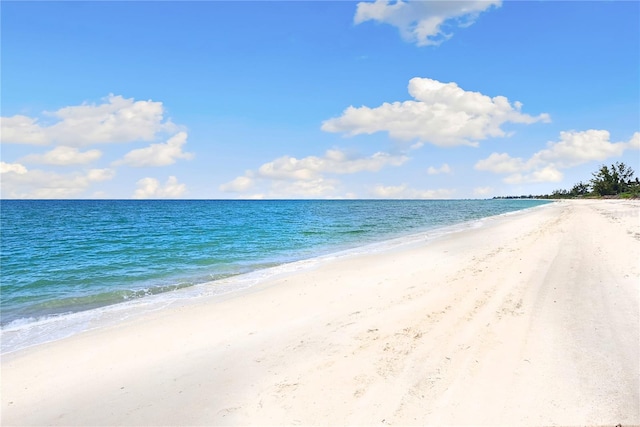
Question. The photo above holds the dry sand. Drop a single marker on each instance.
(532, 319)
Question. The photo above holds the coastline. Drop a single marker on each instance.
(532, 318)
(53, 270)
(27, 332)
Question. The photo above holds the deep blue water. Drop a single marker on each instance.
(67, 256)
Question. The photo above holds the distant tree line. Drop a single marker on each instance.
(615, 181)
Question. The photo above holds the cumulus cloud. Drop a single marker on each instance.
(634, 142)
(12, 168)
(68, 132)
(573, 149)
(423, 22)
(19, 182)
(22, 130)
(150, 188)
(442, 114)
(436, 171)
(405, 192)
(117, 119)
(289, 176)
(162, 154)
(576, 148)
(64, 156)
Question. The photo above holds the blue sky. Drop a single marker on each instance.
(458, 99)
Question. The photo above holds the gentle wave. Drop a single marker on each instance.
(66, 260)
(28, 331)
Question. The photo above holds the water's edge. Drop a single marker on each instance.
(30, 332)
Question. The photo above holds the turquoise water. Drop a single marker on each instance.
(60, 257)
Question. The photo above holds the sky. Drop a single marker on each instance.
(315, 99)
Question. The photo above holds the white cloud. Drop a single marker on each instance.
(116, 120)
(162, 154)
(334, 161)
(404, 192)
(150, 188)
(64, 156)
(12, 168)
(238, 185)
(573, 149)
(288, 176)
(436, 171)
(442, 114)
(634, 142)
(422, 22)
(315, 188)
(100, 174)
(38, 184)
(482, 191)
(546, 174)
(501, 163)
(22, 130)
(256, 196)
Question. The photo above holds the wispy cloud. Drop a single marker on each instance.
(445, 168)
(288, 176)
(424, 23)
(403, 191)
(22, 183)
(64, 156)
(334, 161)
(482, 191)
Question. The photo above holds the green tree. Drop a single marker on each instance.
(625, 174)
(580, 189)
(611, 180)
(560, 194)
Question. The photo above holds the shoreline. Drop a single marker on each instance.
(530, 319)
(25, 333)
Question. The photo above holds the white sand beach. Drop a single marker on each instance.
(531, 319)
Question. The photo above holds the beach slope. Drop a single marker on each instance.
(530, 319)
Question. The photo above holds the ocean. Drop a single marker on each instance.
(66, 263)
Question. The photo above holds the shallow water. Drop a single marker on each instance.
(68, 258)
